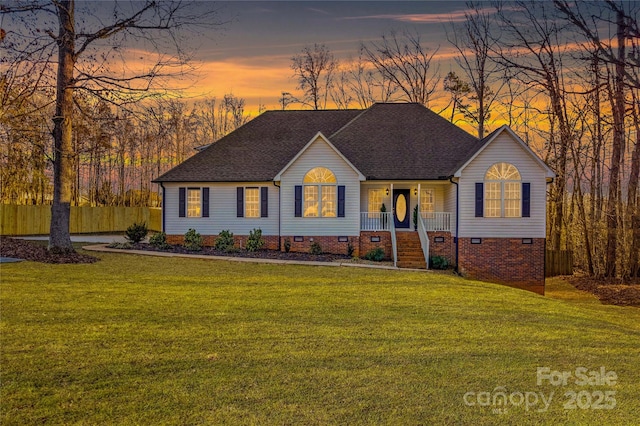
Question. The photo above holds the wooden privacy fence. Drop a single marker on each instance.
(35, 220)
(558, 262)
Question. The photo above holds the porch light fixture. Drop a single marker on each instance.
(415, 191)
(387, 192)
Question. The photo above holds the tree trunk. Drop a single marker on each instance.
(616, 153)
(59, 238)
(633, 205)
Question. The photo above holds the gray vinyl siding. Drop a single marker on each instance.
(449, 202)
(222, 210)
(503, 149)
(320, 154)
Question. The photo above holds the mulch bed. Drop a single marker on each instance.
(259, 254)
(28, 250)
(610, 291)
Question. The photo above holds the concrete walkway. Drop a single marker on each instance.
(103, 248)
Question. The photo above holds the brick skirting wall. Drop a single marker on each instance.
(446, 248)
(270, 241)
(366, 245)
(327, 244)
(504, 260)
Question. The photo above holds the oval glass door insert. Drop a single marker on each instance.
(401, 207)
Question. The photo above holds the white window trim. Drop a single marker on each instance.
(319, 186)
(502, 198)
(190, 203)
(256, 204)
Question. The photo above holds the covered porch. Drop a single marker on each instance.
(408, 206)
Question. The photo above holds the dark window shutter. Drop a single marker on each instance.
(479, 199)
(526, 200)
(264, 201)
(240, 202)
(182, 202)
(205, 202)
(341, 200)
(298, 200)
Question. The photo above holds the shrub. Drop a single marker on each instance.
(136, 232)
(159, 240)
(315, 248)
(376, 254)
(438, 262)
(287, 245)
(192, 240)
(350, 249)
(255, 241)
(224, 241)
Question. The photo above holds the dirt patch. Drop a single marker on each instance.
(259, 254)
(610, 291)
(27, 250)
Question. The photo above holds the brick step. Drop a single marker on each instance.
(413, 247)
(414, 257)
(411, 265)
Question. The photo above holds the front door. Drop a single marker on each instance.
(401, 213)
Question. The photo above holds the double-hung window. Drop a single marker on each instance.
(427, 202)
(502, 191)
(320, 193)
(375, 202)
(193, 202)
(252, 202)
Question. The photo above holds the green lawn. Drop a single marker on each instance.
(146, 340)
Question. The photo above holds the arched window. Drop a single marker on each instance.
(320, 195)
(502, 191)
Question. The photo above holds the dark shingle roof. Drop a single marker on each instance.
(404, 141)
(257, 151)
(384, 142)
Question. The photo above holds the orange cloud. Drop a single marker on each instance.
(421, 18)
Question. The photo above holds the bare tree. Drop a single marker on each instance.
(366, 84)
(474, 42)
(154, 26)
(458, 89)
(407, 64)
(625, 65)
(530, 46)
(314, 69)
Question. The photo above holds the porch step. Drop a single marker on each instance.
(410, 251)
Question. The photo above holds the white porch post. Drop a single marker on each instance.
(419, 195)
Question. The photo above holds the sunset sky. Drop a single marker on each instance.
(251, 55)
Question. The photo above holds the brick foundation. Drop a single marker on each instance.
(327, 244)
(447, 248)
(504, 260)
(270, 241)
(385, 242)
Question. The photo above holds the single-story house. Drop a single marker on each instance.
(395, 176)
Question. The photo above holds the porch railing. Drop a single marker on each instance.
(436, 221)
(424, 241)
(376, 221)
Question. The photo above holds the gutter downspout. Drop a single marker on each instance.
(163, 204)
(455, 239)
(279, 214)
